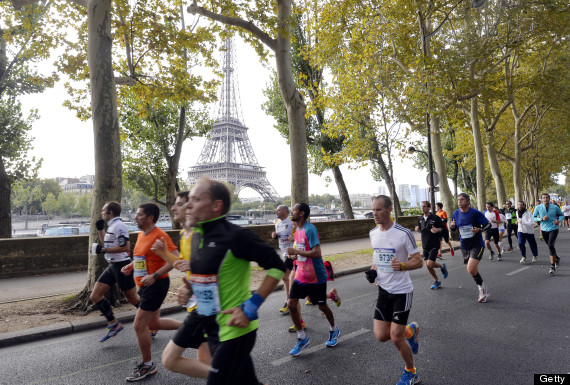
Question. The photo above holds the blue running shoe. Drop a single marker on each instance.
(409, 378)
(112, 331)
(333, 338)
(413, 340)
(444, 271)
(436, 285)
(301, 344)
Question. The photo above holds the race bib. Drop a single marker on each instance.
(300, 247)
(381, 259)
(508, 215)
(284, 242)
(465, 231)
(207, 294)
(140, 266)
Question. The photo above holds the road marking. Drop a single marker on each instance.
(519, 270)
(284, 360)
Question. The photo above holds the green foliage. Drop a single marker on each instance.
(66, 203)
(50, 205)
(83, 206)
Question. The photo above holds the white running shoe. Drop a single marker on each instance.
(534, 259)
(483, 293)
(523, 260)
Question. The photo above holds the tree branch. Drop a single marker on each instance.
(236, 22)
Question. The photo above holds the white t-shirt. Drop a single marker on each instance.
(489, 216)
(397, 242)
(502, 225)
(115, 229)
(284, 229)
(566, 210)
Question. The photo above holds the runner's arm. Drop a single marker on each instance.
(414, 262)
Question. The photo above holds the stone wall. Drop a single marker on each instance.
(45, 255)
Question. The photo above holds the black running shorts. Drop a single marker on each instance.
(430, 254)
(152, 296)
(112, 275)
(475, 253)
(492, 233)
(317, 292)
(393, 307)
(193, 331)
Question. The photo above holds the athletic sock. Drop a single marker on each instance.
(301, 334)
(478, 279)
(332, 328)
(148, 363)
(413, 370)
(105, 308)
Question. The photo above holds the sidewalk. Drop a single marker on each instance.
(64, 328)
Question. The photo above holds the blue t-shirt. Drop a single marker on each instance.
(464, 222)
(553, 213)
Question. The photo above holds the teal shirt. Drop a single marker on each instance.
(553, 213)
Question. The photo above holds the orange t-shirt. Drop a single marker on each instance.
(443, 215)
(146, 262)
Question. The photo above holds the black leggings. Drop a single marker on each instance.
(550, 239)
(231, 362)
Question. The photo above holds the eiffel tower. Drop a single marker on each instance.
(227, 155)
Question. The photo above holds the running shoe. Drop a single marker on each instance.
(534, 259)
(284, 310)
(333, 338)
(499, 257)
(153, 333)
(308, 303)
(542, 239)
(293, 329)
(413, 341)
(436, 285)
(439, 256)
(557, 261)
(301, 344)
(451, 251)
(335, 297)
(510, 249)
(491, 256)
(409, 378)
(523, 260)
(444, 271)
(112, 331)
(141, 371)
(483, 293)
(552, 270)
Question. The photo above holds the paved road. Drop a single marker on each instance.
(522, 330)
(45, 285)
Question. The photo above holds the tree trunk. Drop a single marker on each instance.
(173, 165)
(108, 166)
(497, 175)
(440, 166)
(390, 183)
(479, 156)
(5, 199)
(295, 105)
(343, 192)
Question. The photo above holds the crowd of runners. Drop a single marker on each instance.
(215, 254)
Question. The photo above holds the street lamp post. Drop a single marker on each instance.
(474, 4)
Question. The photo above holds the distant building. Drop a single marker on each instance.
(83, 185)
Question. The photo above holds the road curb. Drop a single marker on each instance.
(65, 328)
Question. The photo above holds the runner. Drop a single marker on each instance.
(470, 223)
(310, 277)
(394, 254)
(283, 233)
(494, 218)
(548, 215)
(430, 226)
(221, 256)
(501, 226)
(151, 276)
(445, 231)
(116, 249)
(526, 232)
(172, 357)
(566, 211)
(510, 222)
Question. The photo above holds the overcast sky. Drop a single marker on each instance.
(66, 144)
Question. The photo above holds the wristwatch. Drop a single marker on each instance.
(156, 276)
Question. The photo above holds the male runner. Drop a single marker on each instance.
(470, 223)
(116, 249)
(548, 215)
(493, 217)
(566, 211)
(283, 233)
(172, 357)
(526, 232)
(510, 214)
(310, 277)
(430, 226)
(445, 231)
(394, 253)
(221, 256)
(151, 276)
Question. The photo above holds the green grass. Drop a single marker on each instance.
(336, 257)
